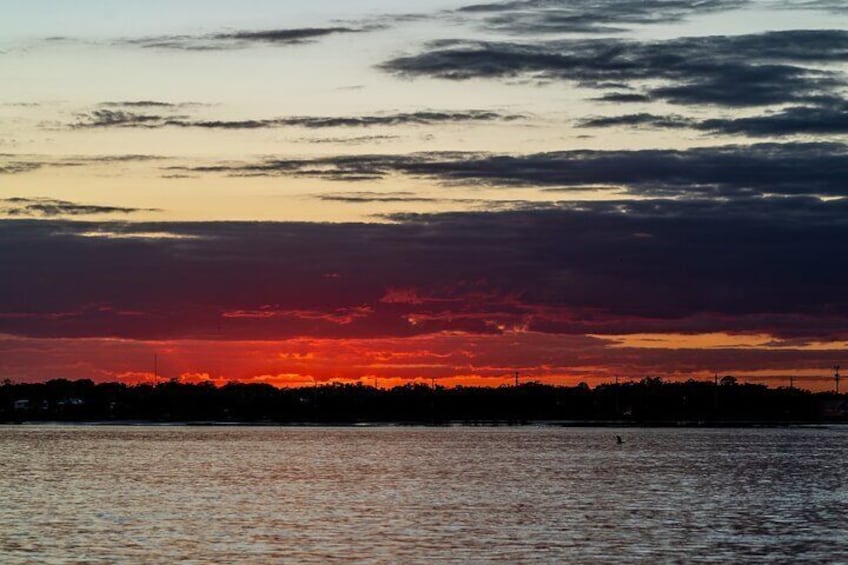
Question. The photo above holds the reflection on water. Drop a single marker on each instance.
(218, 495)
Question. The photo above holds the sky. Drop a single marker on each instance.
(449, 192)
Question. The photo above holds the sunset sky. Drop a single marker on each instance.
(298, 193)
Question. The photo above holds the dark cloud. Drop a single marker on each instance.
(533, 17)
(286, 36)
(403, 118)
(637, 120)
(750, 85)
(795, 120)
(51, 207)
(811, 120)
(244, 38)
(371, 197)
(150, 105)
(183, 43)
(340, 168)
(350, 140)
(837, 6)
(729, 171)
(113, 158)
(124, 118)
(18, 167)
(138, 104)
(17, 164)
(764, 264)
(120, 118)
(375, 197)
(623, 97)
(736, 71)
(219, 124)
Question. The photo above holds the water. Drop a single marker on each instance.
(77, 494)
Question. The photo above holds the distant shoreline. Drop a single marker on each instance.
(424, 424)
(648, 403)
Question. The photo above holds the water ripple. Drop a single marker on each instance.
(77, 494)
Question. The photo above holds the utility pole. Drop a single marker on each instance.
(516, 378)
(155, 367)
(791, 382)
(836, 377)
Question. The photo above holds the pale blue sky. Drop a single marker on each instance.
(50, 87)
(110, 18)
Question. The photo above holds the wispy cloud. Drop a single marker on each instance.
(11, 164)
(534, 17)
(51, 207)
(10, 167)
(365, 197)
(125, 118)
(148, 104)
(354, 140)
(837, 6)
(121, 118)
(639, 120)
(138, 104)
(401, 197)
(424, 117)
(244, 38)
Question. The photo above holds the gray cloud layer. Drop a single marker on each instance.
(730, 171)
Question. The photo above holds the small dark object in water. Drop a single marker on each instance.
(618, 440)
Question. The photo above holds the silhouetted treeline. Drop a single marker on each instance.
(645, 402)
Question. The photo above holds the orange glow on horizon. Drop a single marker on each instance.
(445, 359)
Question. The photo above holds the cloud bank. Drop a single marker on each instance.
(766, 265)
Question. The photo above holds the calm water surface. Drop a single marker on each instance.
(77, 494)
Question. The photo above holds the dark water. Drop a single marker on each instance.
(399, 495)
